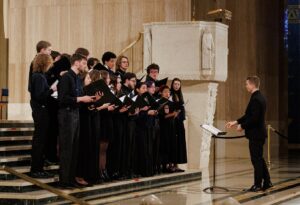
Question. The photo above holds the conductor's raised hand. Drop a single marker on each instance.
(239, 128)
(231, 124)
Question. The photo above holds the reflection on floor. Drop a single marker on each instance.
(235, 174)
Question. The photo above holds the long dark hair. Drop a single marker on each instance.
(176, 95)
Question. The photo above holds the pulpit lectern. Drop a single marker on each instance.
(214, 133)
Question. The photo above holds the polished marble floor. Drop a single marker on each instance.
(236, 175)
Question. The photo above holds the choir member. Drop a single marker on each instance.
(42, 47)
(55, 55)
(168, 140)
(155, 126)
(109, 62)
(92, 62)
(39, 92)
(177, 98)
(129, 165)
(122, 65)
(106, 131)
(116, 145)
(152, 75)
(145, 133)
(70, 96)
(88, 157)
(60, 66)
(152, 72)
(83, 51)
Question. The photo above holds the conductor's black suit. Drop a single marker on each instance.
(253, 122)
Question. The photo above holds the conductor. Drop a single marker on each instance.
(253, 122)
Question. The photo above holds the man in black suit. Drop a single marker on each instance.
(253, 122)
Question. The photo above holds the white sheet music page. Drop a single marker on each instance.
(213, 130)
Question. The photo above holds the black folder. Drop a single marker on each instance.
(161, 82)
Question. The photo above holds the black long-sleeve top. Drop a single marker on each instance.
(39, 88)
(69, 88)
(253, 122)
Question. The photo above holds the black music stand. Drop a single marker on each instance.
(214, 133)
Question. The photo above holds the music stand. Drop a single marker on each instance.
(214, 133)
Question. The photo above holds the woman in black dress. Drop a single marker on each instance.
(116, 144)
(145, 132)
(88, 162)
(153, 127)
(168, 145)
(106, 131)
(177, 98)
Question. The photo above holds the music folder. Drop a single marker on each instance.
(213, 130)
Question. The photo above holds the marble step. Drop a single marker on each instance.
(20, 185)
(14, 129)
(15, 148)
(15, 123)
(6, 132)
(25, 170)
(102, 190)
(14, 158)
(15, 138)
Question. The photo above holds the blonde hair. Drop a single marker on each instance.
(41, 63)
(95, 75)
(119, 60)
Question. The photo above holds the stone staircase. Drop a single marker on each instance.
(15, 147)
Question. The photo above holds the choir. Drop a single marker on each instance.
(100, 122)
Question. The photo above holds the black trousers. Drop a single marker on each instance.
(68, 120)
(260, 168)
(41, 119)
(130, 152)
(51, 148)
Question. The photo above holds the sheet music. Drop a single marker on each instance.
(54, 94)
(54, 84)
(122, 98)
(134, 98)
(213, 130)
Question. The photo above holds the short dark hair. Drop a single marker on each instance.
(91, 62)
(83, 51)
(107, 56)
(55, 54)
(41, 45)
(254, 80)
(164, 87)
(152, 66)
(77, 57)
(128, 76)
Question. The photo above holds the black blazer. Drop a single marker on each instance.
(253, 122)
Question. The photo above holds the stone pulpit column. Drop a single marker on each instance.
(195, 52)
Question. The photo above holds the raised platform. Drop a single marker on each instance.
(94, 192)
(15, 147)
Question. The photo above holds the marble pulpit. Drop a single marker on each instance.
(196, 52)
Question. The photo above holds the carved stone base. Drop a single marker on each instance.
(200, 107)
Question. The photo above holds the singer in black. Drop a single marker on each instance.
(253, 122)
(39, 93)
(69, 97)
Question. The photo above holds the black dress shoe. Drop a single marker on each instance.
(41, 175)
(179, 170)
(65, 186)
(48, 163)
(78, 185)
(267, 186)
(255, 188)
